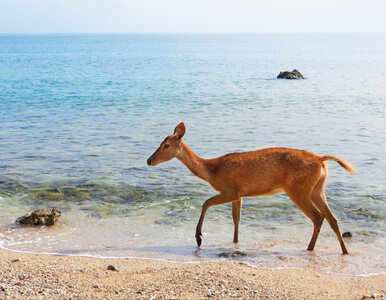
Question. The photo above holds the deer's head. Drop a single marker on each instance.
(169, 148)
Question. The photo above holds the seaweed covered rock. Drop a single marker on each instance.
(295, 74)
(40, 217)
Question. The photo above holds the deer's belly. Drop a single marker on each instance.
(262, 192)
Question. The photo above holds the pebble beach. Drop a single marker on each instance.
(32, 276)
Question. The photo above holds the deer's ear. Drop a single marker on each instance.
(180, 130)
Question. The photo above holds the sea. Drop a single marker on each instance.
(80, 114)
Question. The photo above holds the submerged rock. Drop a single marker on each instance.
(295, 74)
(347, 234)
(40, 217)
(53, 194)
(231, 254)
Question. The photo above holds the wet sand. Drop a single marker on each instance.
(31, 276)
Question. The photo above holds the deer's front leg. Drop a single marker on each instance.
(236, 214)
(216, 200)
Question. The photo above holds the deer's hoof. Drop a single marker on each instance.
(199, 239)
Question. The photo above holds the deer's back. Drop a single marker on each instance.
(262, 172)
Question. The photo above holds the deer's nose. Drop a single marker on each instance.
(148, 161)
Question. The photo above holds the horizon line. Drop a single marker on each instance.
(196, 33)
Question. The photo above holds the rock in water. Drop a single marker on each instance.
(295, 74)
(40, 217)
(347, 234)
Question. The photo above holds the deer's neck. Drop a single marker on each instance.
(193, 162)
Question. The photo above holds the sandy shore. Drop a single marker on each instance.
(30, 276)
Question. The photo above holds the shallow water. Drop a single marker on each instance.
(80, 114)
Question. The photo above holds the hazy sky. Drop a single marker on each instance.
(193, 16)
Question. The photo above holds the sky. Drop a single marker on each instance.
(193, 16)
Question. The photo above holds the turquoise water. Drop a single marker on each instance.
(80, 114)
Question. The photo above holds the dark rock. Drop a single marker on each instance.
(112, 268)
(347, 234)
(40, 217)
(295, 74)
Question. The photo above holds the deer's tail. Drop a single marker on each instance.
(340, 161)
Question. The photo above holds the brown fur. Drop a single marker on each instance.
(300, 174)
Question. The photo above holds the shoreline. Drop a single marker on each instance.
(34, 276)
(204, 260)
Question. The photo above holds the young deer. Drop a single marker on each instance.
(300, 174)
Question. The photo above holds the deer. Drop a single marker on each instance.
(300, 174)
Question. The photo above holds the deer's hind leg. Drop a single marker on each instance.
(302, 199)
(319, 200)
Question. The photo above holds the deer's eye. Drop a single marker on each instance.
(166, 146)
